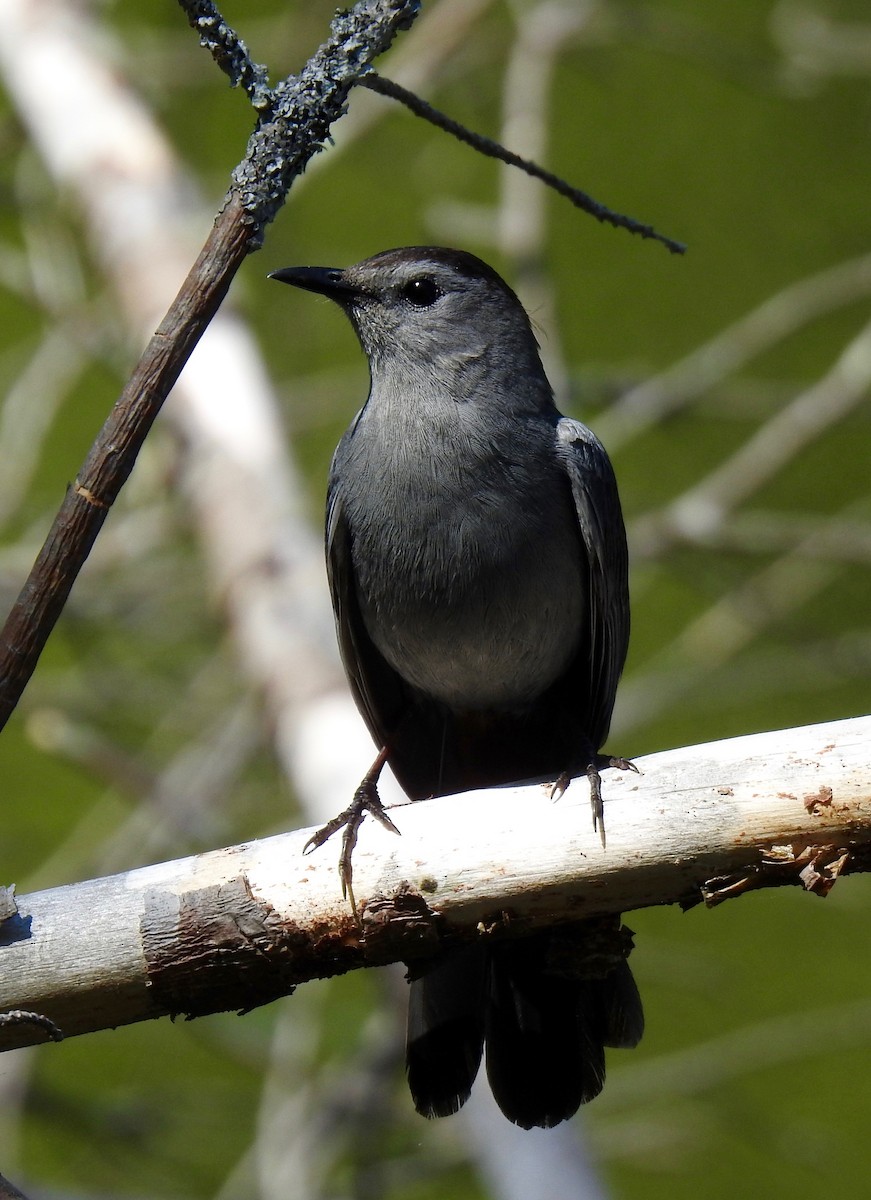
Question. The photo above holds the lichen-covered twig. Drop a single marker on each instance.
(229, 51)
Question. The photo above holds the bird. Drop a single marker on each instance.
(478, 570)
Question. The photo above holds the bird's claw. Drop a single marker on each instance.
(620, 764)
(597, 763)
(366, 799)
(561, 782)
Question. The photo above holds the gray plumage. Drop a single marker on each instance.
(478, 570)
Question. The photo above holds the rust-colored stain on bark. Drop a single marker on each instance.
(822, 798)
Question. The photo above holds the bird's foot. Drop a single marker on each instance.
(366, 800)
(562, 782)
(597, 763)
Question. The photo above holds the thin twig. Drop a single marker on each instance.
(485, 145)
(21, 1016)
(417, 63)
(111, 458)
(305, 106)
(229, 51)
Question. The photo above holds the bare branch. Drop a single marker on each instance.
(236, 928)
(303, 109)
(485, 145)
(113, 454)
(20, 1016)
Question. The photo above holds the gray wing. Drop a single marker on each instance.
(378, 691)
(600, 522)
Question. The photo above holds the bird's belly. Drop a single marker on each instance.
(496, 640)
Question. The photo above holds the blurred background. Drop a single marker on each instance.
(190, 695)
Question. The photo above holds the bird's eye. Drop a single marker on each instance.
(420, 292)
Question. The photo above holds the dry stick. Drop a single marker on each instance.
(111, 458)
(420, 108)
(21, 1016)
(295, 126)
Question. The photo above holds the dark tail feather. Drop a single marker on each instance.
(620, 1003)
(446, 1031)
(545, 1050)
(543, 1014)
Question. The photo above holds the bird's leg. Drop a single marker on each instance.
(597, 763)
(366, 799)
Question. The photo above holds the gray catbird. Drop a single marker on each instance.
(478, 570)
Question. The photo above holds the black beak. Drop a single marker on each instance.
(327, 281)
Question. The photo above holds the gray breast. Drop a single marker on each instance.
(468, 568)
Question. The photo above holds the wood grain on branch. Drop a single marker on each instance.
(239, 927)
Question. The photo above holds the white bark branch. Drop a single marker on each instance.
(239, 927)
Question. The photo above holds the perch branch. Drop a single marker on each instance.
(235, 928)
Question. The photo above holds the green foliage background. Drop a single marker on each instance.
(742, 129)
